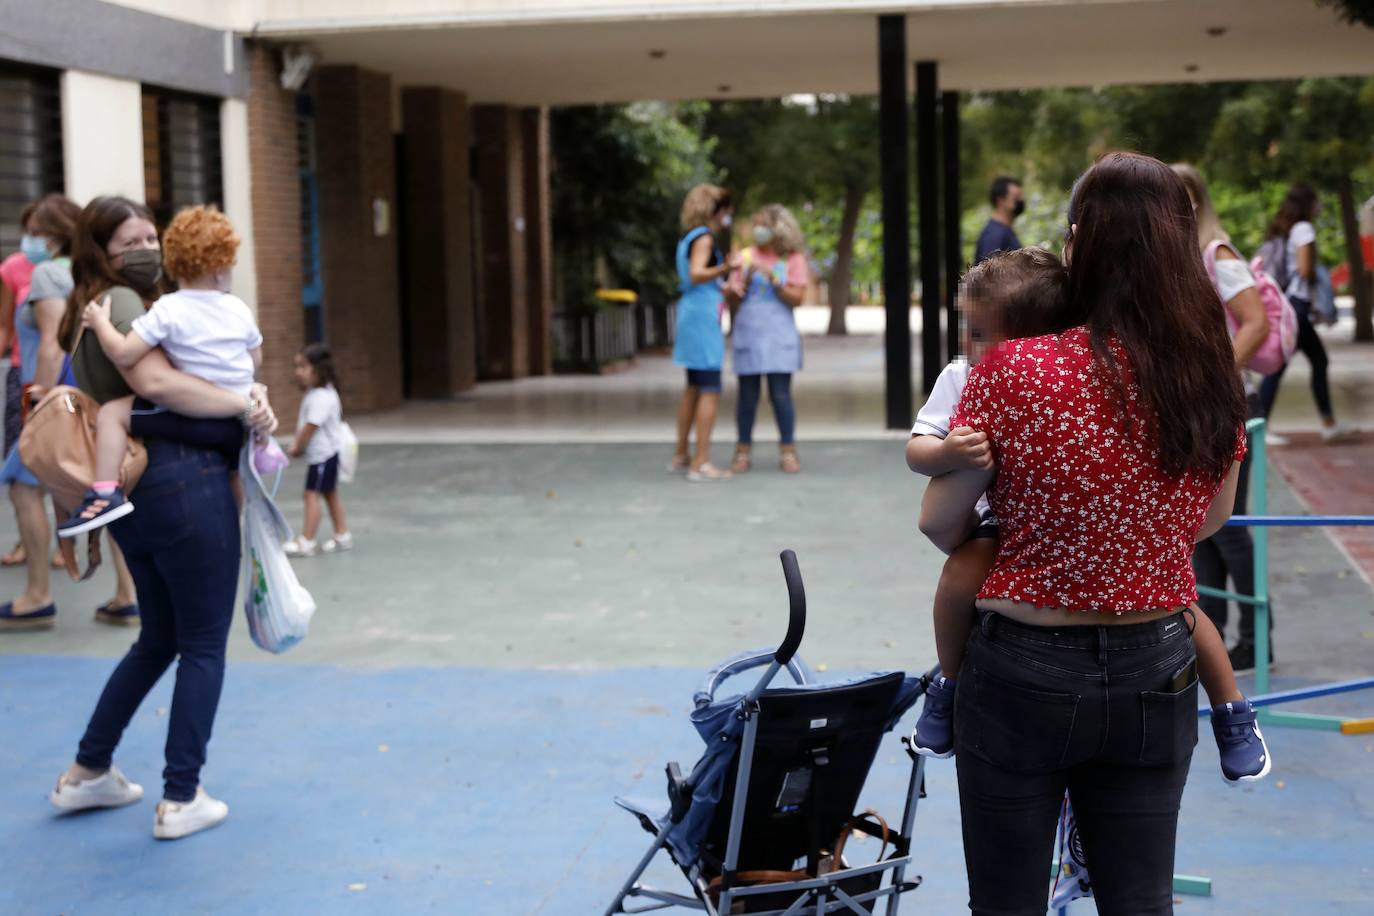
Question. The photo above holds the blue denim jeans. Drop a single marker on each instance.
(182, 547)
(779, 395)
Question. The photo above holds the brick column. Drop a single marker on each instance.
(276, 200)
(503, 350)
(438, 214)
(538, 239)
(358, 258)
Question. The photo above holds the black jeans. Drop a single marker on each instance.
(1310, 345)
(1087, 708)
(182, 547)
(1230, 553)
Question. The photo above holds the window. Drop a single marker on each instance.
(30, 144)
(182, 164)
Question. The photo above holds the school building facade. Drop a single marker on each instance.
(404, 225)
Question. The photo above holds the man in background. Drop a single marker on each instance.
(1007, 204)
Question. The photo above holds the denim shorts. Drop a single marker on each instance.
(707, 381)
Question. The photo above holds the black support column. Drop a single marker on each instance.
(895, 159)
(954, 249)
(928, 215)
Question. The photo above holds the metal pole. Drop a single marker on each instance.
(894, 152)
(928, 214)
(1260, 486)
(954, 254)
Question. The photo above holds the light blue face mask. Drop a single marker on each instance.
(762, 235)
(35, 248)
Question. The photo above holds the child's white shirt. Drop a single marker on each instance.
(205, 333)
(933, 417)
(322, 407)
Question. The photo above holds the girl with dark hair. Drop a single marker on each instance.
(182, 545)
(1293, 265)
(319, 437)
(1116, 447)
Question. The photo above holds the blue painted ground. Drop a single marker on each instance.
(476, 791)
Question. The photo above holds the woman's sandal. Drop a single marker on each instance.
(708, 473)
(788, 460)
(742, 461)
(16, 557)
(679, 464)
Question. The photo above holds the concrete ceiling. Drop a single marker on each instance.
(756, 50)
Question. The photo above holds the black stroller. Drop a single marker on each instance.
(760, 825)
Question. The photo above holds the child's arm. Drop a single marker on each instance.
(307, 432)
(964, 449)
(124, 350)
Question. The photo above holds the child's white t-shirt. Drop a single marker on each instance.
(322, 407)
(205, 333)
(933, 417)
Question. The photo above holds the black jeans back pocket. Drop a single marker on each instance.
(1014, 726)
(1168, 726)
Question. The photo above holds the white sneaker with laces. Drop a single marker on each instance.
(1337, 433)
(108, 790)
(300, 547)
(339, 542)
(175, 820)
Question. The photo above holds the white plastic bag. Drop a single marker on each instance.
(348, 453)
(278, 606)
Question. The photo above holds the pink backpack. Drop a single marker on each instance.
(1278, 347)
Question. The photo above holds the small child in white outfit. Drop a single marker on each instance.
(204, 331)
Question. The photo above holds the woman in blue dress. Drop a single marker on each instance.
(699, 345)
(770, 283)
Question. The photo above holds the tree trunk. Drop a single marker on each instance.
(841, 276)
(1359, 277)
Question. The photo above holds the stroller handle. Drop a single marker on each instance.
(796, 623)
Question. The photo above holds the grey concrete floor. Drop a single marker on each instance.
(591, 556)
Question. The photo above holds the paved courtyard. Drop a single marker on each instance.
(515, 640)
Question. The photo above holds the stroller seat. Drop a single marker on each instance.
(758, 825)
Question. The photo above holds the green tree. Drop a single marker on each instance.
(620, 174)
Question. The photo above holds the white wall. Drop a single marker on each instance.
(238, 201)
(102, 136)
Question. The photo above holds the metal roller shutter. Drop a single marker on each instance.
(182, 158)
(30, 144)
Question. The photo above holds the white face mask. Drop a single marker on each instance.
(726, 221)
(762, 235)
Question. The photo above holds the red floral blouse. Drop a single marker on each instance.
(1088, 518)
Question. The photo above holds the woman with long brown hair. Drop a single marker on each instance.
(52, 219)
(1117, 446)
(182, 545)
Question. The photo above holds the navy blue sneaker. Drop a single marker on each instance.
(41, 619)
(96, 511)
(1244, 755)
(933, 735)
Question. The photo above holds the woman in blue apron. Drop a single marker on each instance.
(698, 345)
(770, 283)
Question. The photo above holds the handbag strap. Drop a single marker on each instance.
(67, 548)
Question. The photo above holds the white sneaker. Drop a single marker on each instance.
(300, 547)
(108, 790)
(339, 542)
(175, 820)
(1275, 439)
(1338, 433)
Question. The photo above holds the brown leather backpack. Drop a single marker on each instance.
(57, 445)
